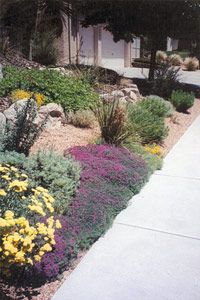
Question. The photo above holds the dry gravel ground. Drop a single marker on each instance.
(178, 124)
(68, 136)
(59, 139)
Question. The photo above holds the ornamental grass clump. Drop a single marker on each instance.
(175, 60)
(24, 234)
(113, 121)
(191, 63)
(161, 56)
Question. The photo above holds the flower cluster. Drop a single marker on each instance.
(24, 237)
(153, 149)
(22, 94)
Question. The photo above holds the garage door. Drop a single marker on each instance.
(112, 53)
(86, 55)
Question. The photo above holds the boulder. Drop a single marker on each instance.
(127, 91)
(2, 122)
(53, 114)
(4, 103)
(124, 100)
(12, 112)
(117, 93)
(106, 97)
(52, 109)
(133, 96)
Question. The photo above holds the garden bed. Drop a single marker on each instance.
(89, 177)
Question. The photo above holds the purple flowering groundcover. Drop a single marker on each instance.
(110, 177)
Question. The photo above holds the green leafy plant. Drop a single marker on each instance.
(157, 105)
(182, 100)
(71, 92)
(20, 135)
(149, 127)
(114, 122)
(82, 118)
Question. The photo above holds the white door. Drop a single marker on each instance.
(112, 53)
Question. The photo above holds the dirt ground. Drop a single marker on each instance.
(178, 124)
(59, 139)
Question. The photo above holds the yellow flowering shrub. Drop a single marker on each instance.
(22, 94)
(153, 149)
(27, 224)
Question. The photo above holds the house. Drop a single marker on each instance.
(95, 46)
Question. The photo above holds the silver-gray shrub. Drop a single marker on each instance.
(50, 170)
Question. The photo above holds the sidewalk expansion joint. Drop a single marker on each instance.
(159, 231)
(175, 176)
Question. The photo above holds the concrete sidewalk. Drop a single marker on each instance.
(152, 252)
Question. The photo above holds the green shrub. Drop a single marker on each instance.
(13, 158)
(71, 92)
(154, 162)
(114, 123)
(149, 127)
(182, 100)
(166, 80)
(21, 134)
(82, 118)
(157, 106)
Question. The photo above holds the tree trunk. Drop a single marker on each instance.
(152, 64)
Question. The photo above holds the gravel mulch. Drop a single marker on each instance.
(178, 124)
(59, 139)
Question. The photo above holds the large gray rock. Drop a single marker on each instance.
(2, 122)
(128, 91)
(52, 109)
(12, 112)
(117, 93)
(52, 114)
